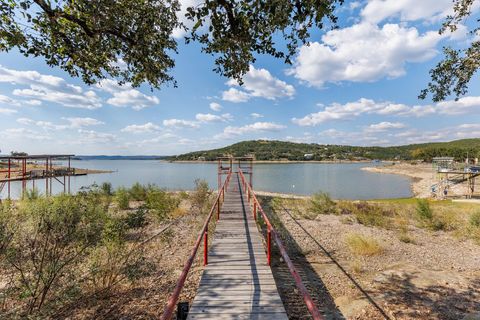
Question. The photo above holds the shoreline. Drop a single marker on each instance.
(420, 176)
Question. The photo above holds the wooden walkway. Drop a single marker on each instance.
(237, 283)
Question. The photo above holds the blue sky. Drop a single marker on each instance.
(356, 85)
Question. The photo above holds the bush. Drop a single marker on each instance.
(363, 245)
(371, 215)
(138, 192)
(161, 203)
(199, 198)
(53, 238)
(475, 219)
(321, 203)
(110, 258)
(183, 195)
(106, 188)
(31, 194)
(137, 218)
(8, 221)
(122, 198)
(435, 222)
(423, 210)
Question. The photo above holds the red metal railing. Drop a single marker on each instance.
(172, 301)
(252, 199)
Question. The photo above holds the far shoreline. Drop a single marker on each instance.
(277, 161)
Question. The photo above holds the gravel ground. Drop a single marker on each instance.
(436, 277)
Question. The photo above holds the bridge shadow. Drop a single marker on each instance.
(293, 301)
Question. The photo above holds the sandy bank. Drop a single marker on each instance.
(423, 177)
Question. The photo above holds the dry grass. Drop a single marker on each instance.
(400, 215)
(362, 245)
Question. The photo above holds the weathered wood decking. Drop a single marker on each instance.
(237, 282)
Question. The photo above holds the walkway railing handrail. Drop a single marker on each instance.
(312, 308)
(172, 301)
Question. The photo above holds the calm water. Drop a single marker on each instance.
(341, 181)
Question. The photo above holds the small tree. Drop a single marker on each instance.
(200, 196)
(160, 202)
(138, 192)
(54, 236)
(122, 198)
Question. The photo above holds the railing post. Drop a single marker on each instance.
(205, 249)
(254, 210)
(218, 209)
(269, 245)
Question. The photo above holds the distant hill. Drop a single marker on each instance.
(283, 150)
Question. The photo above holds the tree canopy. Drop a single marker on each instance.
(454, 72)
(131, 40)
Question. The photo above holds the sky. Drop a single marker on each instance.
(357, 85)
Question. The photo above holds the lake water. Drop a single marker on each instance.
(341, 181)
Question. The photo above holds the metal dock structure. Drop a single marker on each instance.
(237, 281)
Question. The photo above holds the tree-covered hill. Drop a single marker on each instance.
(283, 150)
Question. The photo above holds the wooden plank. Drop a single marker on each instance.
(238, 316)
(237, 283)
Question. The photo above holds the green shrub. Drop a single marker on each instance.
(31, 194)
(8, 221)
(137, 218)
(371, 215)
(109, 259)
(423, 210)
(201, 194)
(475, 219)
(161, 203)
(138, 192)
(106, 188)
(321, 203)
(122, 198)
(54, 236)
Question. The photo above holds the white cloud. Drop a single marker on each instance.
(22, 133)
(141, 128)
(83, 122)
(363, 53)
(350, 110)
(215, 106)
(234, 95)
(7, 111)
(385, 126)
(406, 10)
(18, 103)
(74, 123)
(91, 136)
(258, 83)
(179, 123)
(461, 106)
(208, 117)
(49, 88)
(126, 96)
(256, 127)
(255, 115)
